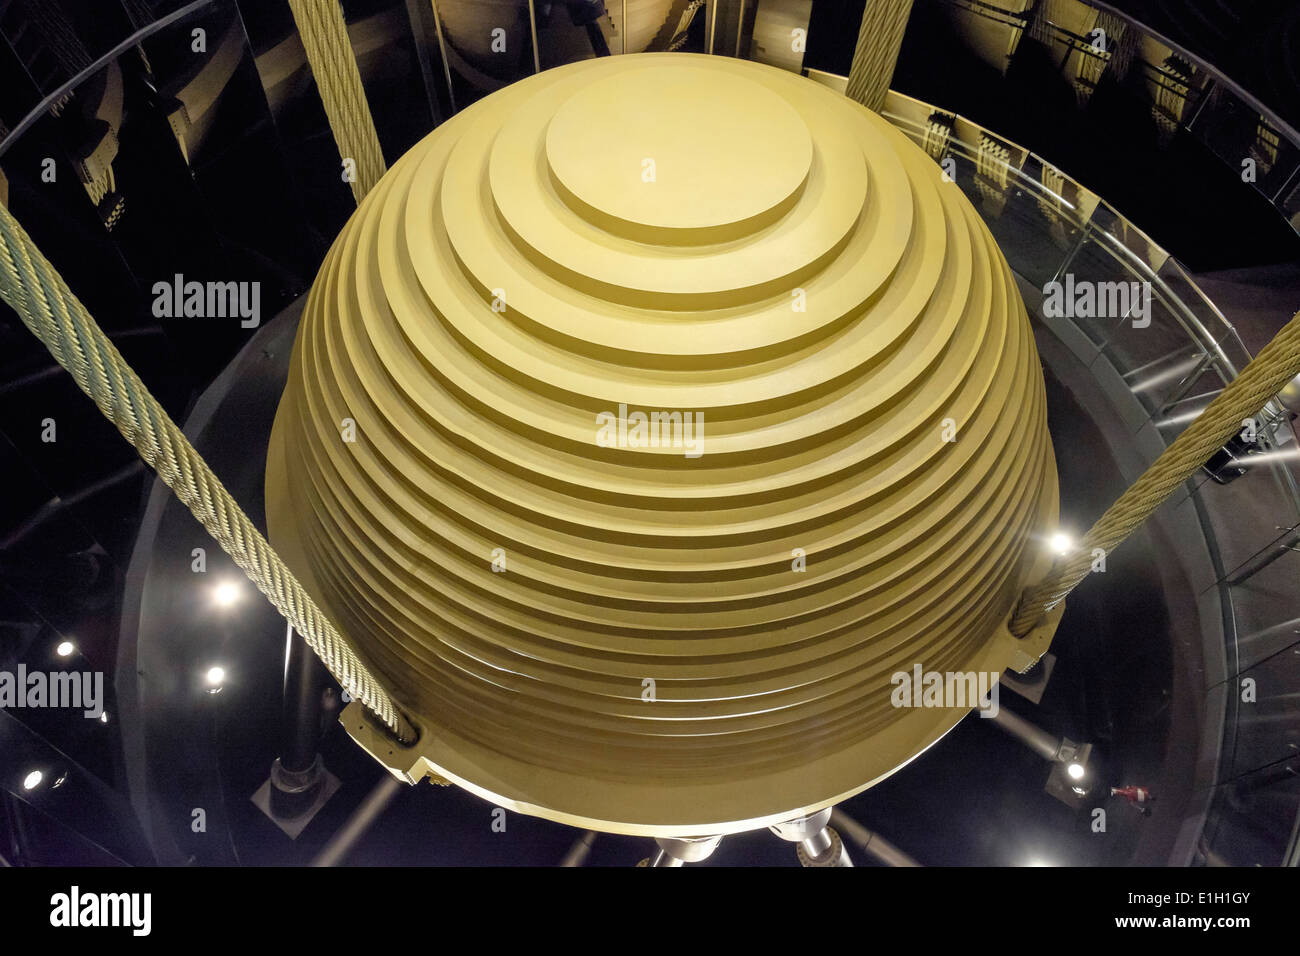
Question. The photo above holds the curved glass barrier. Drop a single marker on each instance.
(1159, 366)
(1185, 94)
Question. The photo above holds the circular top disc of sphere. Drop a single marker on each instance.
(679, 148)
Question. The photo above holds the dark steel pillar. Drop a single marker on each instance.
(298, 773)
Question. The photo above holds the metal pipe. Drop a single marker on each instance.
(870, 843)
(1031, 735)
(532, 22)
(817, 844)
(300, 724)
(442, 52)
(580, 850)
(419, 35)
(363, 818)
(675, 851)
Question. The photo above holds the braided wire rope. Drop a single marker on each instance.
(329, 51)
(33, 288)
(1275, 365)
(879, 39)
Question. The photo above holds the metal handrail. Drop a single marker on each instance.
(1282, 126)
(1197, 332)
(43, 107)
(1177, 307)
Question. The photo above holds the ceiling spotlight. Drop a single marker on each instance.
(216, 676)
(33, 780)
(65, 648)
(103, 718)
(226, 594)
(1075, 770)
(1060, 543)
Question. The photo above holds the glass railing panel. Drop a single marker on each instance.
(1012, 206)
(1267, 722)
(1253, 820)
(1116, 286)
(1055, 212)
(1208, 335)
(1267, 602)
(1110, 292)
(1204, 317)
(1288, 201)
(1175, 355)
(1186, 96)
(480, 46)
(52, 45)
(1248, 141)
(1037, 219)
(1250, 512)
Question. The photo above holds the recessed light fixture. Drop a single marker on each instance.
(227, 594)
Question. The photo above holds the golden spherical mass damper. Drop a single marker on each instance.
(645, 419)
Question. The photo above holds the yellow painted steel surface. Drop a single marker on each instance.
(697, 634)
